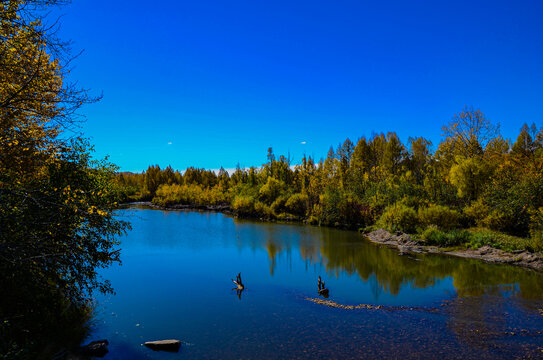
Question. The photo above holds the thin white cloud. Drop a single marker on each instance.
(303, 142)
(169, 143)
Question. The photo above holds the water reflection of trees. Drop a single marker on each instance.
(490, 297)
(470, 277)
(390, 271)
(346, 251)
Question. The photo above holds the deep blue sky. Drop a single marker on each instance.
(211, 83)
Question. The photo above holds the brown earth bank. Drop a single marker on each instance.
(406, 245)
(403, 242)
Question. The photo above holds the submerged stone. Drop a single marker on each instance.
(171, 345)
(95, 349)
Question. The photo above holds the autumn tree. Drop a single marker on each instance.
(394, 154)
(331, 169)
(468, 133)
(361, 164)
(470, 176)
(344, 155)
(56, 203)
(526, 144)
(419, 157)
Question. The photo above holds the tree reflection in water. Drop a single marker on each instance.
(485, 297)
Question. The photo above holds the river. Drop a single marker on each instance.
(175, 283)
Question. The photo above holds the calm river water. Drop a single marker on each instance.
(174, 283)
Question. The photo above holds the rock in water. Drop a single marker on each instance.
(95, 348)
(164, 345)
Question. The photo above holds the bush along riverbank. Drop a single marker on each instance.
(475, 190)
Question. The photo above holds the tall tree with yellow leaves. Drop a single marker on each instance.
(56, 203)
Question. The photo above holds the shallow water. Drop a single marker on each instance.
(174, 282)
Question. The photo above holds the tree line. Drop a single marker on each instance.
(475, 179)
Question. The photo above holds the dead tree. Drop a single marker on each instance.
(238, 282)
(322, 288)
(238, 292)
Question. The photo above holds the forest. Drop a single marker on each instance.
(476, 188)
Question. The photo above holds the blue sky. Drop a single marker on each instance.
(215, 83)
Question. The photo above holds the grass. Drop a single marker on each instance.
(498, 240)
(474, 238)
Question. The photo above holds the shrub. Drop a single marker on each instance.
(495, 220)
(244, 205)
(215, 196)
(433, 236)
(513, 196)
(355, 213)
(178, 194)
(414, 201)
(536, 221)
(535, 242)
(279, 205)
(285, 217)
(399, 217)
(270, 190)
(192, 194)
(457, 237)
(297, 205)
(481, 238)
(439, 215)
(263, 210)
(316, 214)
(505, 220)
(476, 212)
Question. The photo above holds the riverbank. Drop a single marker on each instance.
(225, 209)
(406, 245)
